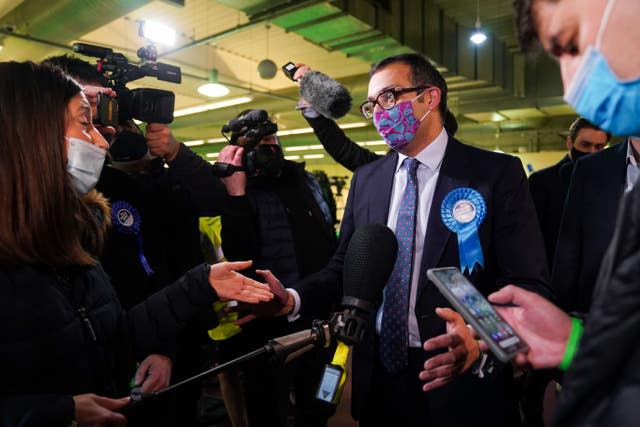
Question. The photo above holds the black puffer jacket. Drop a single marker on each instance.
(64, 333)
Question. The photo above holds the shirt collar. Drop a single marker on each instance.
(631, 159)
(431, 156)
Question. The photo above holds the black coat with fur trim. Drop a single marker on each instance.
(64, 333)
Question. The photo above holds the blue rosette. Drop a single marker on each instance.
(462, 211)
(126, 220)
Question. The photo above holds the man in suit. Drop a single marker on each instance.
(588, 222)
(549, 185)
(387, 387)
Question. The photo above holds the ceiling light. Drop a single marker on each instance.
(213, 88)
(478, 36)
(292, 157)
(193, 143)
(313, 156)
(212, 106)
(158, 33)
(1, 45)
(310, 130)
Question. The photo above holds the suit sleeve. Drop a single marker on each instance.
(520, 253)
(205, 190)
(342, 149)
(567, 262)
(323, 288)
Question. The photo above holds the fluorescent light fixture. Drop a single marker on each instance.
(194, 142)
(212, 106)
(213, 90)
(292, 157)
(158, 33)
(304, 147)
(310, 130)
(380, 153)
(212, 155)
(478, 37)
(353, 125)
(313, 156)
(371, 143)
(212, 161)
(216, 140)
(295, 131)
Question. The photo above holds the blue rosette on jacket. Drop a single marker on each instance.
(126, 219)
(462, 211)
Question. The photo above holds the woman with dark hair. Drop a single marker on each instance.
(65, 335)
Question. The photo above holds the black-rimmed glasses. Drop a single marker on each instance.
(387, 99)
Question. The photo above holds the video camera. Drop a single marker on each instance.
(258, 159)
(144, 104)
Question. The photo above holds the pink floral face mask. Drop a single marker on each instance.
(398, 125)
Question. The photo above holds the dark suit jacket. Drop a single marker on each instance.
(513, 253)
(549, 191)
(587, 225)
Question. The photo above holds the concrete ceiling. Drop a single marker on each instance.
(500, 97)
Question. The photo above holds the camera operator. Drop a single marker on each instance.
(155, 236)
(275, 214)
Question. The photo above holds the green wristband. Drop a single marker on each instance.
(572, 345)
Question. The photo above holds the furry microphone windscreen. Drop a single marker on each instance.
(327, 96)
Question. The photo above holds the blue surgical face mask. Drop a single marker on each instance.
(84, 164)
(598, 95)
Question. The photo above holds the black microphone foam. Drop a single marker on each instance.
(368, 263)
(92, 50)
(326, 95)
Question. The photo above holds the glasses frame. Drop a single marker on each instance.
(396, 92)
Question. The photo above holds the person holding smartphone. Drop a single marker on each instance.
(592, 40)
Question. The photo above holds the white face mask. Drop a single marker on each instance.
(84, 164)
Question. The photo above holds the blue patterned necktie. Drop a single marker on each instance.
(394, 331)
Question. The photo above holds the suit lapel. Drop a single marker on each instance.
(453, 174)
(380, 183)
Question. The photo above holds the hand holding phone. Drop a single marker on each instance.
(474, 307)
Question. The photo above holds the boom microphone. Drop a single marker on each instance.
(91, 50)
(368, 263)
(326, 95)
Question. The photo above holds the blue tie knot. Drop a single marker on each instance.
(411, 165)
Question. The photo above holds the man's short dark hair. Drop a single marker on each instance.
(582, 123)
(526, 25)
(78, 69)
(422, 74)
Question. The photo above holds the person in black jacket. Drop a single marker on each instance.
(602, 384)
(549, 186)
(65, 335)
(278, 217)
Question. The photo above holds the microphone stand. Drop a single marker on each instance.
(282, 349)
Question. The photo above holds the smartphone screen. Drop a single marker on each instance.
(476, 310)
(329, 383)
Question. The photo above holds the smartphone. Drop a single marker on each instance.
(329, 384)
(478, 312)
(289, 70)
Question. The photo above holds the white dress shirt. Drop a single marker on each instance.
(430, 159)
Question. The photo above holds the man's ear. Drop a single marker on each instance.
(432, 97)
(569, 143)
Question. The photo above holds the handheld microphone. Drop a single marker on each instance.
(237, 124)
(326, 95)
(368, 263)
